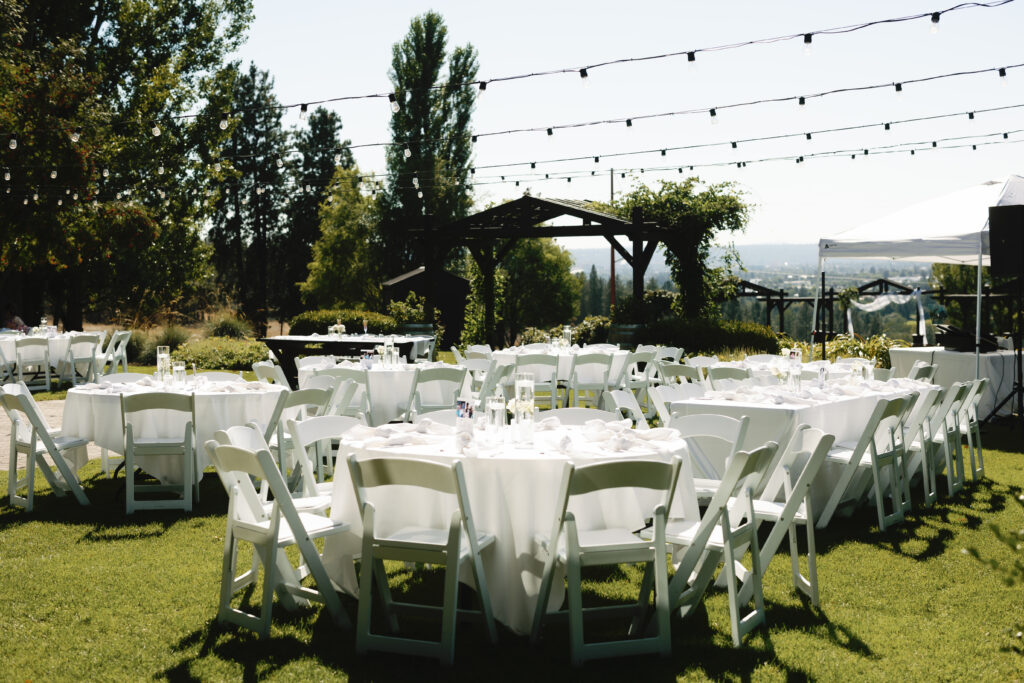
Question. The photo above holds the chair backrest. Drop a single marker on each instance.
(360, 401)
(479, 364)
(318, 381)
(220, 376)
(537, 347)
(236, 467)
(882, 374)
(83, 346)
(543, 366)
(443, 384)
(580, 416)
(624, 402)
(483, 349)
(459, 358)
(913, 423)
(305, 403)
(24, 414)
(923, 372)
(319, 431)
(32, 350)
(938, 422)
(590, 368)
(668, 354)
(762, 358)
(248, 437)
(678, 372)
(314, 361)
(727, 373)
(713, 440)
(164, 401)
(270, 373)
(701, 361)
(123, 378)
(977, 385)
(797, 466)
(664, 395)
(494, 382)
(889, 431)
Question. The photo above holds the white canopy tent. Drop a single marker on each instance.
(952, 228)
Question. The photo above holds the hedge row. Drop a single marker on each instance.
(221, 353)
(709, 336)
(317, 322)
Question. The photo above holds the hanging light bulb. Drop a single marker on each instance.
(899, 89)
(802, 101)
(76, 134)
(551, 131)
(1002, 76)
(714, 116)
(807, 43)
(337, 157)
(25, 202)
(67, 190)
(216, 167)
(420, 195)
(223, 125)
(303, 111)
(394, 103)
(53, 174)
(106, 173)
(597, 160)
(35, 196)
(408, 152)
(415, 182)
(483, 87)
(75, 196)
(95, 203)
(155, 131)
(160, 170)
(118, 195)
(60, 202)
(469, 191)
(935, 22)
(280, 162)
(585, 77)
(629, 123)
(7, 175)
(691, 60)
(13, 141)
(309, 188)
(8, 190)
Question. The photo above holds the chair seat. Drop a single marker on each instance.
(62, 442)
(316, 526)
(314, 504)
(164, 443)
(424, 538)
(599, 541)
(772, 511)
(843, 452)
(682, 532)
(706, 488)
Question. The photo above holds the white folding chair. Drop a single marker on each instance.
(434, 389)
(915, 426)
(7, 368)
(33, 438)
(293, 405)
(574, 548)
(123, 378)
(880, 445)
(116, 353)
(477, 369)
(728, 524)
(922, 371)
(946, 432)
(79, 360)
(34, 360)
(494, 383)
(635, 378)
(625, 403)
(459, 542)
(459, 358)
(663, 396)
(270, 373)
(544, 368)
(269, 532)
(970, 425)
(581, 416)
(142, 407)
(719, 376)
(317, 436)
(702, 363)
(674, 373)
(588, 378)
(712, 441)
(314, 362)
(882, 374)
(360, 402)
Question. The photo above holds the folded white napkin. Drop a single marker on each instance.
(428, 426)
(91, 386)
(619, 442)
(548, 423)
(361, 433)
(397, 439)
(656, 434)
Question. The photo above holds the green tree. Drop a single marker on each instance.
(540, 289)
(596, 287)
(433, 125)
(995, 315)
(320, 152)
(344, 272)
(247, 220)
(84, 87)
(696, 218)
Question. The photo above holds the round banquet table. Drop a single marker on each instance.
(512, 493)
(58, 345)
(565, 356)
(93, 412)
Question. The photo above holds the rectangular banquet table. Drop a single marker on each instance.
(288, 347)
(93, 412)
(512, 494)
(844, 415)
(959, 366)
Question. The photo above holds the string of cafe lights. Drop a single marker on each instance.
(584, 71)
(372, 183)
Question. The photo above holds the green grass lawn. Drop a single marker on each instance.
(90, 594)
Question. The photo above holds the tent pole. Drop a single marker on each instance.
(814, 312)
(977, 322)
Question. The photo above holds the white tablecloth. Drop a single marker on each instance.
(842, 409)
(95, 414)
(512, 494)
(58, 346)
(565, 356)
(420, 344)
(959, 366)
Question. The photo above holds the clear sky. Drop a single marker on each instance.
(318, 49)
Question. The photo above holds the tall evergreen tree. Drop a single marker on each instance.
(596, 288)
(433, 126)
(247, 221)
(320, 153)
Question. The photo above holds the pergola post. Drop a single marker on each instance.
(485, 261)
(639, 266)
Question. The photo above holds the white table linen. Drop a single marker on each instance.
(959, 366)
(58, 345)
(512, 494)
(420, 343)
(94, 412)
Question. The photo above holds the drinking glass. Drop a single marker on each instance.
(178, 372)
(524, 408)
(495, 419)
(163, 362)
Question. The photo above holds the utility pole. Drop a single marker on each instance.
(611, 280)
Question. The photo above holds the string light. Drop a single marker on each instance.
(7, 175)
(584, 75)
(35, 196)
(12, 141)
(970, 115)
(303, 111)
(807, 44)
(308, 188)
(483, 87)
(53, 174)
(155, 130)
(394, 103)
(337, 157)
(887, 126)
(714, 116)
(935, 22)
(801, 101)
(808, 136)
(899, 88)
(420, 195)
(223, 125)
(279, 162)
(691, 60)
(552, 132)
(75, 196)
(629, 124)
(160, 170)
(60, 202)
(408, 152)
(76, 134)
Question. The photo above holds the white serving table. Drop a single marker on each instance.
(513, 495)
(959, 366)
(94, 412)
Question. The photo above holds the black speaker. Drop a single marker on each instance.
(1006, 240)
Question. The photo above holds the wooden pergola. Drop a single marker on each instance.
(525, 218)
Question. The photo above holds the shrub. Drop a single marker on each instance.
(592, 330)
(845, 346)
(221, 353)
(709, 336)
(317, 322)
(408, 311)
(137, 348)
(229, 326)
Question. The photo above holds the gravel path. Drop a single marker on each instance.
(54, 413)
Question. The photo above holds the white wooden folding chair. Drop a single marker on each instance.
(718, 376)
(573, 548)
(34, 360)
(947, 433)
(269, 532)
(674, 373)
(728, 524)
(316, 436)
(915, 426)
(141, 407)
(294, 405)
(636, 378)
(544, 368)
(712, 441)
(460, 542)
(477, 369)
(459, 358)
(360, 402)
(879, 446)
(625, 403)
(970, 426)
(494, 383)
(662, 397)
(588, 379)
(434, 389)
(33, 438)
(882, 374)
(79, 360)
(114, 355)
(922, 371)
(7, 368)
(270, 373)
(702, 363)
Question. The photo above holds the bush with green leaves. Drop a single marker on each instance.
(408, 311)
(846, 346)
(142, 348)
(317, 322)
(591, 330)
(229, 326)
(221, 353)
(709, 336)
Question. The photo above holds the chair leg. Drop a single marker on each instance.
(575, 609)
(450, 614)
(975, 428)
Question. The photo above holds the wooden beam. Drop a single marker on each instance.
(619, 248)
